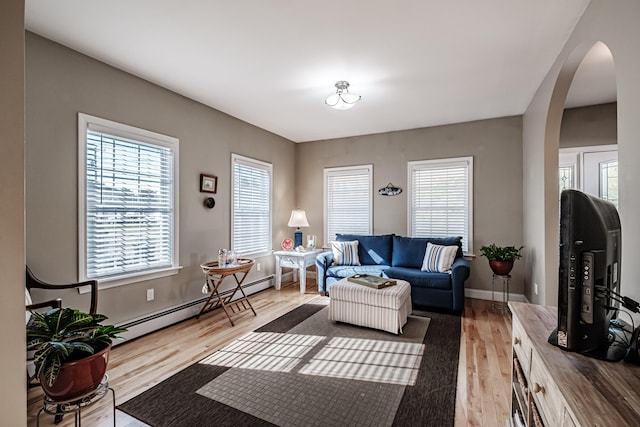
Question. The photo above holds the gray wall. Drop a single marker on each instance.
(13, 393)
(585, 126)
(61, 83)
(616, 26)
(496, 147)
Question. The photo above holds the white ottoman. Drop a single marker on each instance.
(386, 309)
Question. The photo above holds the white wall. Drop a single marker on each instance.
(615, 24)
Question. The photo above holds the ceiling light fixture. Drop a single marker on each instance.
(342, 99)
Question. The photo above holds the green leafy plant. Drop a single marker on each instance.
(65, 335)
(501, 253)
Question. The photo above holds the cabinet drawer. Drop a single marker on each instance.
(544, 390)
(521, 346)
(289, 262)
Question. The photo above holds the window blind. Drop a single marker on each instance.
(129, 205)
(348, 203)
(251, 217)
(440, 199)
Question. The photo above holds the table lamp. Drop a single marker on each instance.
(298, 219)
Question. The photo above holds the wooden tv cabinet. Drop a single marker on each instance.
(552, 387)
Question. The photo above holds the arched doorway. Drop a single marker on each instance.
(588, 154)
(567, 79)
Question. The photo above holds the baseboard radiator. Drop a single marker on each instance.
(170, 316)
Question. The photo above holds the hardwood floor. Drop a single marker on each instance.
(484, 368)
(483, 389)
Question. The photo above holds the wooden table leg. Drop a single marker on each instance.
(213, 284)
(224, 307)
(244, 296)
(212, 302)
(215, 299)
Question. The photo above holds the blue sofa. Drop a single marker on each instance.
(401, 258)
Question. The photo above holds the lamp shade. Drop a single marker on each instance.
(298, 218)
(342, 99)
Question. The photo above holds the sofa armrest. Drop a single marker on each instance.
(323, 261)
(460, 271)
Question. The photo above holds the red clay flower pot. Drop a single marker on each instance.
(78, 378)
(501, 268)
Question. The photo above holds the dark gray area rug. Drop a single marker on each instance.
(303, 370)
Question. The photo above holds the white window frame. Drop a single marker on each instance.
(257, 164)
(86, 123)
(438, 164)
(348, 170)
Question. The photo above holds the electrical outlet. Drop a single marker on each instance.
(535, 288)
(258, 267)
(150, 294)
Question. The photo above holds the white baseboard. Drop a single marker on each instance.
(172, 315)
(486, 295)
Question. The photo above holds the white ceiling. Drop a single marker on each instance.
(416, 63)
(595, 79)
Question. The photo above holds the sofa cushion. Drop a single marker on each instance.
(420, 279)
(438, 258)
(350, 270)
(409, 251)
(372, 250)
(345, 253)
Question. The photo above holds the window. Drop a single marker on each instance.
(128, 183)
(566, 177)
(347, 201)
(441, 199)
(251, 211)
(568, 170)
(609, 181)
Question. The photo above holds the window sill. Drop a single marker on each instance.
(256, 255)
(131, 278)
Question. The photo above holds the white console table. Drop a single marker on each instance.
(299, 261)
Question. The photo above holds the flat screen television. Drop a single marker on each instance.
(589, 276)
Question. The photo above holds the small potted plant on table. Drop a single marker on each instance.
(501, 258)
(71, 351)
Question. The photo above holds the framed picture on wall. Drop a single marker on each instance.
(208, 183)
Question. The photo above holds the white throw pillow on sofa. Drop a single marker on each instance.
(438, 258)
(345, 253)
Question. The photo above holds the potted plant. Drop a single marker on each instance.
(71, 350)
(501, 258)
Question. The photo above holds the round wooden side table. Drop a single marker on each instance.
(215, 275)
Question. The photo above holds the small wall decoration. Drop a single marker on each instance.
(390, 190)
(208, 183)
(209, 202)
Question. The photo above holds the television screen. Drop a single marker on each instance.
(589, 275)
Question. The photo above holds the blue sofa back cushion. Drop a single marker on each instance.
(373, 250)
(409, 251)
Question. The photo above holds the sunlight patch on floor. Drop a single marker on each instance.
(367, 360)
(348, 358)
(265, 351)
